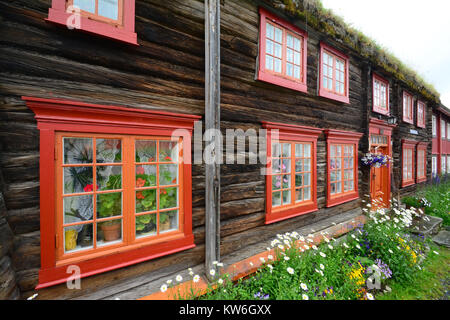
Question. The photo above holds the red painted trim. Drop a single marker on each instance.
(386, 82)
(421, 146)
(404, 117)
(324, 92)
(70, 116)
(343, 137)
(291, 133)
(421, 122)
(411, 145)
(275, 78)
(125, 32)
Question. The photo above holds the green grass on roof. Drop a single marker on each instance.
(314, 14)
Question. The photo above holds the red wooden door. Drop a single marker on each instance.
(379, 183)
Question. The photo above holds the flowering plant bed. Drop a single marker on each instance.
(360, 267)
(376, 160)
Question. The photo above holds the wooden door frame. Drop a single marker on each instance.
(381, 127)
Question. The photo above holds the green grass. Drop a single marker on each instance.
(428, 284)
(438, 195)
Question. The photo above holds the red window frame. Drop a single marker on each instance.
(408, 110)
(121, 29)
(421, 162)
(408, 146)
(333, 94)
(282, 79)
(421, 114)
(62, 116)
(290, 134)
(342, 138)
(375, 92)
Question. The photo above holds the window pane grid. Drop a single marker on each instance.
(291, 173)
(284, 52)
(342, 177)
(91, 202)
(333, 76)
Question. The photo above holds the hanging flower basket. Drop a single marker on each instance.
(376, 160)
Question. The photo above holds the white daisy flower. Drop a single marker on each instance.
(330, 246)
(196, 278)
(179, 278)
(322, 267)
(290, 270)
(323, 254)
(212, 272)
(305, 297)
(270, 257)
(304, 286)
(163, 288)
(169, 281)
(369, 296)
(287, 258)
(220, 281)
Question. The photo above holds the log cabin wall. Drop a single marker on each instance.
(166, 72)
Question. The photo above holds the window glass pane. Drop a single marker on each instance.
(286, 150)
(145, 151)
(276, 150)
(299, 150)
(109, 232)
(145, 176)
(289, 70)
(299, 180)
(276, 182)
(286, 181)
(78, 209)
(269, 31)
(269, 62)
(289, 55)
(86, 5)
(278, 35)
(109, 9)
(297, 44)
(286, 166)
(286, 197)
(276, 166)
(145, 225)
(145, 200)
(168, 221)
(290, 41)
(108, 150)
(77, 238)
(307, 193)
(109, 205)
(78, 180)
(298, 195)
(109, 178)
(307, 179)
(168, 198)
(277, 65)
(269, 47)
(276, 199)
(297, 72)
(168, 174)
(277, 50)
(307, 165)
(77, 150)
(168, 151)
(299, 165)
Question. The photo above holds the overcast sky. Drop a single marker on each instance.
(416, 31)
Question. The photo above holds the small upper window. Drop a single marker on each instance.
(408, 108)
(333, 74)
(109, 18)
(282, 59)
(380, 95)
(434, 125)
(443, 129)
(421, 114)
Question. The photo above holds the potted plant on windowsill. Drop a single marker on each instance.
(109, 205)
(164, 222)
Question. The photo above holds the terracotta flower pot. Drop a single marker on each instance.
(164, 226)
(111, 232)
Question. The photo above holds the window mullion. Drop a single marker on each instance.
(128, 189)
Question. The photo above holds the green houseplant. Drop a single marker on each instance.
(110, 205)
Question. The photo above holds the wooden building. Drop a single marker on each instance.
(117, 88)
(440, 159)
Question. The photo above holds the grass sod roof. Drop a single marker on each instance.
(324, 20)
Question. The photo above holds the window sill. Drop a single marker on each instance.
(333, 96)
(408, 121)
(420, 180)
(338, 200)
(94, 27)
(408, 183)
(291, 213)
(58, 274)
(282, 81)
(380, 111)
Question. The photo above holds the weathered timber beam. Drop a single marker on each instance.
(212, 126)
